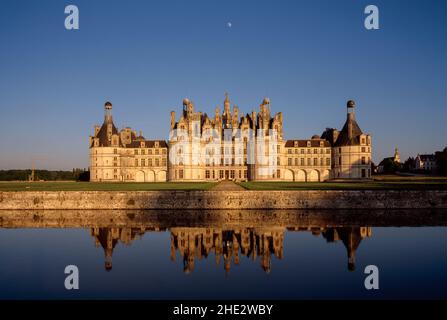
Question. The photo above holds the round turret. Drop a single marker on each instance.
(350, 104)
(108, 105)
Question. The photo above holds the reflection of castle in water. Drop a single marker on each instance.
(229, 245)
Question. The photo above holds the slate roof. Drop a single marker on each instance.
(344, 139)
(303, 143)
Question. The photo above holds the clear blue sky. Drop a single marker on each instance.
(309, 57)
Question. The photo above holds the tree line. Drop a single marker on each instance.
(45, 175)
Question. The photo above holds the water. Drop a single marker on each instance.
(223, 254)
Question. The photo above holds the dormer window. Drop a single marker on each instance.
(142, 145)
(296, 144)
(308, 144)
(156, 144)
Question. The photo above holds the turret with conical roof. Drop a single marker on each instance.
(351, 148)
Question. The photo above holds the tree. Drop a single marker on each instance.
(391, 166)
(409, 164)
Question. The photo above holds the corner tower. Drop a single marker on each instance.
(351, 151)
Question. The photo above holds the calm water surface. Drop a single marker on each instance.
(232, 254)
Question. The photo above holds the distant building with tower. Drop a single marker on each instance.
(394, 159)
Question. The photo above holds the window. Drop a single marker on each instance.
(232, 174)
(149, 151)
(143, 162)
(207, 174)
(363, 160)
(278, 174)
(180, 174)
(115, 151)
(315, 151)
(363, 149)
(296, 161)
(221, 174)
(143, 152)
(289, 151)
(289, 161)
(240, 174)
(302, 151)
(302, 161)
(328, 161)
(321, 161)
(363, 140)
(163, 151)
(315, 161)
(157, 151)
(136, 162)
(136, 151)
(149, 162)
(296, 151)
(163, 162)
(157, 162)
(363, 173)
(278, 162)
(309, 161)
(245, 174)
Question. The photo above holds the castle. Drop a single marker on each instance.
(229, 146)
(189, 244)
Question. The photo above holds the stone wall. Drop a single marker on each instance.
(331, 199)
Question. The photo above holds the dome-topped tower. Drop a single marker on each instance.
(351, 153)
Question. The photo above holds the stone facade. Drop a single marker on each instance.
(234, 200)
(351, 149)
(124, 156)
(229, 146)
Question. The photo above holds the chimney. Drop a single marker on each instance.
(351, 117)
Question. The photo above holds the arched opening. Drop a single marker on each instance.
(324, 175)
(150, 176)
(139, 176)
(161, 176)
(313, 176)
(288, 175)
(300, 175)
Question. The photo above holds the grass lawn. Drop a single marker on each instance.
(383, 184)
(95, 186)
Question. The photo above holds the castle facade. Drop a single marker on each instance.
(229, 146)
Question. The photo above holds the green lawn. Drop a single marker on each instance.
(94, 186)
(367, 185)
